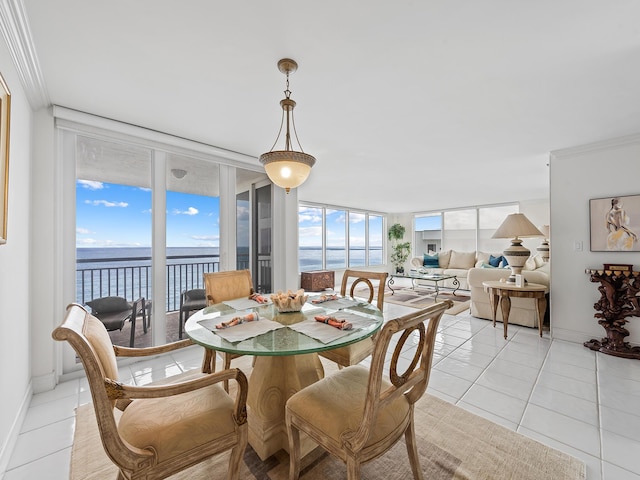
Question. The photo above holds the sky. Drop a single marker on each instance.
(310, 228)
(112, 215)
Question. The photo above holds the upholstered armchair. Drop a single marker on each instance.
(164, 428)
(357, 415)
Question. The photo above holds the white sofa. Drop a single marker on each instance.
(454, 262)
(522, 309)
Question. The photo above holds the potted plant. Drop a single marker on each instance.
(401, 250)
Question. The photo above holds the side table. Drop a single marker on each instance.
(619, 299)
(503, 291)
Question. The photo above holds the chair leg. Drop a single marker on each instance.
(412, 450)
(180, 326)
(237, 454)
(353, 469)
(227, 365)
(294, 449)
(133, 331)
(209, 361)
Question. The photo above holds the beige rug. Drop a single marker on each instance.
(452, 444)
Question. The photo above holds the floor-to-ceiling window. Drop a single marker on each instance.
(465, 229)
(332, 238)
(113, 222)
(155, 209)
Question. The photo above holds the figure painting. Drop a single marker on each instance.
(615, 224)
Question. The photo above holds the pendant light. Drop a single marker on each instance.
(287, 168)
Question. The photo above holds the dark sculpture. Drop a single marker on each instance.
(619, 300)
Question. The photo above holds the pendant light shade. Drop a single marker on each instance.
(287, 168)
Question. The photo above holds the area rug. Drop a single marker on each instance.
(452, 444)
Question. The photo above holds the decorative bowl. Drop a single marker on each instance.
(290, 301)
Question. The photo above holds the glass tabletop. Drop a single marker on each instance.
(283, 341)
(424, 276)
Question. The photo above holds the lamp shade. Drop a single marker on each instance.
(287, 168)
(515, 226)
(545, 231)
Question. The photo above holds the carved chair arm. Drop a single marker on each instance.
(146, 351)
(120, 392)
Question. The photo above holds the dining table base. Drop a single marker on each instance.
(272, 381)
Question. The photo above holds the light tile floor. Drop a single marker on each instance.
(559, 393)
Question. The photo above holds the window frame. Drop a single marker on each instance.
(348, 212)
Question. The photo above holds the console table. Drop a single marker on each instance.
(619, 300)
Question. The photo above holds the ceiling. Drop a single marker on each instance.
(408, 106)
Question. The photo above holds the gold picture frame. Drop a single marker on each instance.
(5, 123)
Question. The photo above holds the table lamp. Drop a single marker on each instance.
(516, 226)
(543, 249)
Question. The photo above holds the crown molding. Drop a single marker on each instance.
(596, 146)
(17, 35)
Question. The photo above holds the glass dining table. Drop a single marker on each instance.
(285, 346)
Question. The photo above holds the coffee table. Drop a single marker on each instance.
(436, 278)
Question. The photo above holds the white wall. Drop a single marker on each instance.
(16, 297)
(578, 174)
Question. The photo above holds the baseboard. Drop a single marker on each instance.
(14, 432)
(44, 383)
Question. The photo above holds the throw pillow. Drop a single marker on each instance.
(495, 261)
(109, 304)
(481, 257)
(539, 261)
(462, 260)
(430, 261)
(530, 264)
(504, 263)
(443, 258)
(487, 265)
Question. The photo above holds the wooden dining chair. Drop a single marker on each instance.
(375, 284)
(356, 414)
(166, 427)
(221, 286)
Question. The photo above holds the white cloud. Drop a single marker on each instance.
(188, 211)
(83, 231)
(106, 203)
(306, 232)
(302, 217)
(206, 238)
(91, 184)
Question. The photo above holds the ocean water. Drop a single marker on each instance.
(126, 272)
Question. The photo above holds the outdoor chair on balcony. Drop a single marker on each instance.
(221, 286)
(191, 300)
(155, 430)
(114, 312)
(375, 284)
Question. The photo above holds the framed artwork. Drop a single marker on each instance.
(5, 120)
(615, 224)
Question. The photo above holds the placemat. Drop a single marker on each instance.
(326, 333)
(240, 332)
(338, 304)
(245, 303)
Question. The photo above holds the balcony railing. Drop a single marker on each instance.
(131, 277)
